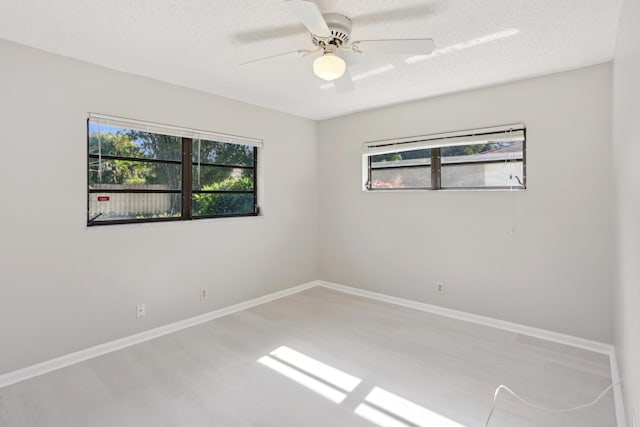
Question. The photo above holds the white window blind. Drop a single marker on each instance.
(509, 133)
(178, 131)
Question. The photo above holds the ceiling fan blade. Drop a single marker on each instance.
(395, 47)
(344, 83)
(253, 36)
(266, 58)
(308, 13)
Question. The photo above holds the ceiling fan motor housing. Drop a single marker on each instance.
(340, 27)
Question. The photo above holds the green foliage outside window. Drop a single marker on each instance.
(225, 203)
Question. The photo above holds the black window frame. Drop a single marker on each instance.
(186, 187)
(436, 170)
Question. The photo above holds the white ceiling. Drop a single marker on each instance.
(199, 44)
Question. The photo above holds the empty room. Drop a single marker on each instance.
(310, 213)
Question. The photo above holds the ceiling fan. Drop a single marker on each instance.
(331, 33)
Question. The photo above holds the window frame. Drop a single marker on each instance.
(435, 165)
(186, 190)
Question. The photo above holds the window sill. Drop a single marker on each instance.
(445, 190)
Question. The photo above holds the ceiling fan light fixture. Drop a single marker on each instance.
(329, 66)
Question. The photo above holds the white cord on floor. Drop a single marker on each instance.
(542, 408)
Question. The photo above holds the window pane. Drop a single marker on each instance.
(114, 141)
(504, 174)
(129, 174)
(482, 175)
(419, 177)
(222, 204)
(495, 151)
(128, 206)
(403, 158)
(213, 178)
(405, 169)
(467, 166)
(222, 153)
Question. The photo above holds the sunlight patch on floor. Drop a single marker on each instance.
(386, 409)
(319, 377)
(380, 407)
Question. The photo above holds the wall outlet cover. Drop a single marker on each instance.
(141, 311)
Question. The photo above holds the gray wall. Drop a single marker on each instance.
(64, 286)
(554, 272)
(626, 141)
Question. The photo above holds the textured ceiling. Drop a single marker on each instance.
(199, 44)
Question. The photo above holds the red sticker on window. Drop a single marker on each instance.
(103, 198)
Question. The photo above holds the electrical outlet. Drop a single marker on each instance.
(440, 287)
(141, 311)
(203, 294)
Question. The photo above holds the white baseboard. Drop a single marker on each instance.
(585, 344)
(621, 416)
(98, 350)
(570, 340)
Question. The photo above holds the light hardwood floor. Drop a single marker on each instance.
(209, 375)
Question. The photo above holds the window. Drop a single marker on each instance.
(491, 158)
(142, 172)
